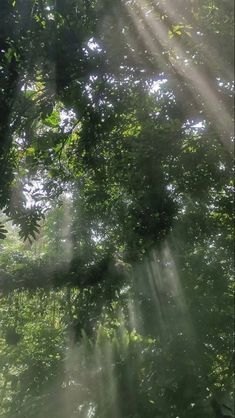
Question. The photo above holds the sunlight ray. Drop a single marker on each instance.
(160, 282)
(202, 91)
(105, 361)
(214, 58)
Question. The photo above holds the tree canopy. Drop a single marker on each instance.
(116, 225)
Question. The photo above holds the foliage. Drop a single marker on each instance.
(116, 227)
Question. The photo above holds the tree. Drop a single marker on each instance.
(116, 171)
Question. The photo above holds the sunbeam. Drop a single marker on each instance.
(155, 34)
(159, 281)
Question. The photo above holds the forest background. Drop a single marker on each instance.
(116, 198)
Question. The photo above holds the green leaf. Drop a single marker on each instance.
(53, 120)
